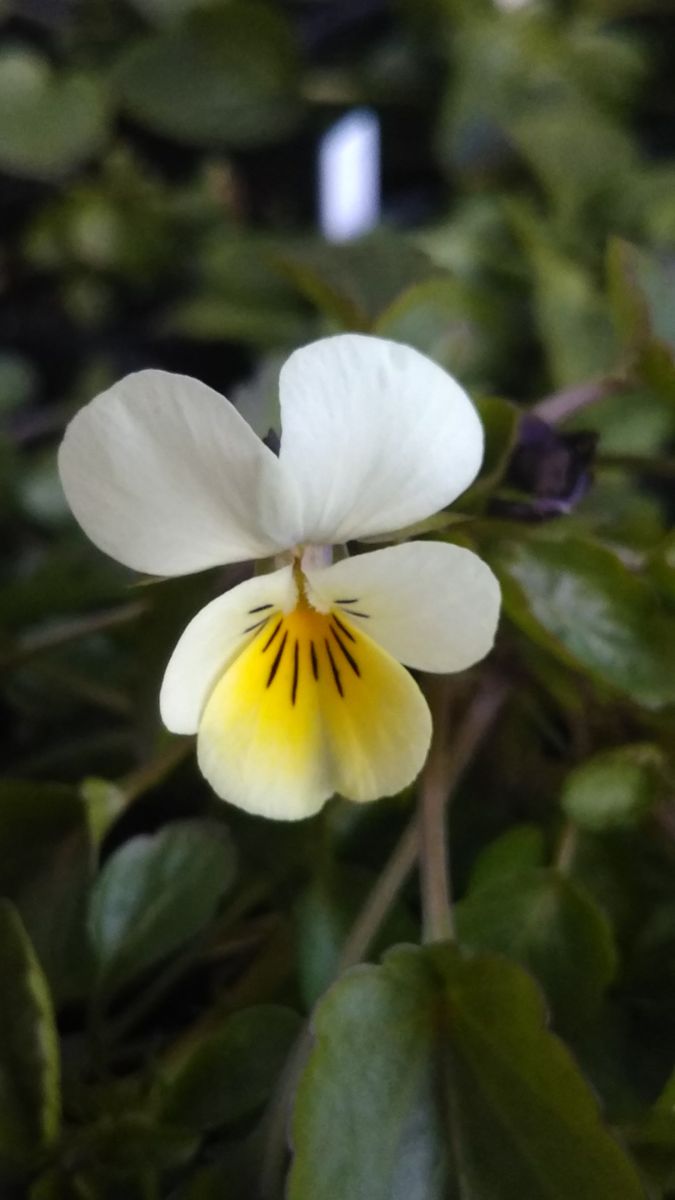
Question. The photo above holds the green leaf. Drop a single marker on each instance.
(325, 913)
(154, 894)
(357, 282)
(30, 1104)
(228, 1074)
(550, 926)
(446, 320)
(46, 865)
(616, 789)
(225, 76)
(49, 123)
(501, 421)
(642, 297)
(570, 311)
(579, 601)
(433, 1076)
(130, 1143)
(516, 851)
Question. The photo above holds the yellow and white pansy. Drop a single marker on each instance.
(293, 680)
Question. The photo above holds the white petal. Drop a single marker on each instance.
(375, 435)
(164, 475)
(433, 606)
(316, 709)
(213, 639)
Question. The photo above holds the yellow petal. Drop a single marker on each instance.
(311, 707)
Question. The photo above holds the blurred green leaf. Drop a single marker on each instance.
(225, 76)
(49, 123)
(131, 1143)
(515, 852)
(154, 894)
(325, 912)
(30, 1102)
(501, 422)
(104, 802)
(642, 294)
(356, 283)
(433, 1072)
(46, 864)
(446, 320)
(579, 601)
(570, 310)
(551, 927)
(229, 1073)
(616, 789)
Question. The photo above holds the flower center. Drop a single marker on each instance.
(304, 646)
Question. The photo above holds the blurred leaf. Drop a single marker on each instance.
(580, 156)
(30, 1104)
(165, 11)
(501, 422)
(46, 864)
(325, 912)
(225, 76)
(357, 282)
(228, 1074)
(642, 294)
(570, 311)
(129, 1143)
(433, 1072)
(18, 381)
(154, 894)
(580, 602)
(444, 319)
(515, 852)
(104, 802)
(614, 790)
(551, 927)
(49, 123)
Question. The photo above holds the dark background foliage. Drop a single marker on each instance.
(159, 950)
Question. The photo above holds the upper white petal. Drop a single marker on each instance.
(212, 640)
(433, 606)
(164, 475)
(375, 434)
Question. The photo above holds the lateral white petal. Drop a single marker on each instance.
(213, 639)
(375, 435)
(433, 606)
(164, 475)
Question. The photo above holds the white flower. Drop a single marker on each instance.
(292, 680)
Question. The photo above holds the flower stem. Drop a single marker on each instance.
(437, 918)
(561, 405)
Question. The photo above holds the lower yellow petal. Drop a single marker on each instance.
(311, 707)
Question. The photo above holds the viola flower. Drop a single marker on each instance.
(293, 680)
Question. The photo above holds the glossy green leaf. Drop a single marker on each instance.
(30, 1101)
(229, 1073)
(49, 123)
(434, 1075)
(615, 790)
(550, 926)
(578, 600)
(226, 76)
(154, 894)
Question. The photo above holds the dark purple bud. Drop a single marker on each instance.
(550, 470)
